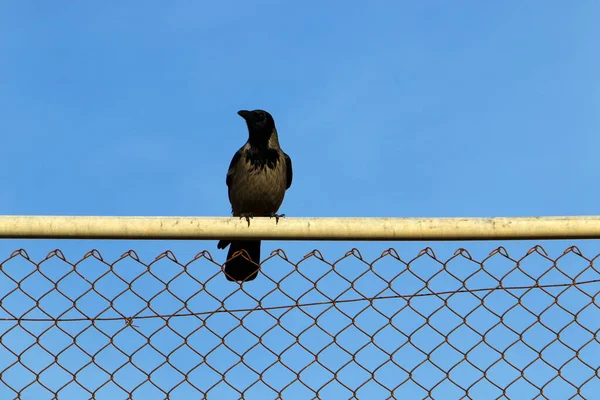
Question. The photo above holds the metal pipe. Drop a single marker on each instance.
(380, 229)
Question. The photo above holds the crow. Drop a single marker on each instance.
(257, 178)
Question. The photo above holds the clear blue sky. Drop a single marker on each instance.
(387, 108)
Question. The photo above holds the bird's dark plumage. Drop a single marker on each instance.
(257, 178)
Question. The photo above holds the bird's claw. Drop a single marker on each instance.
(247, 216)
(276, 216)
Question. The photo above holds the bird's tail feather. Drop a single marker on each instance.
(239, 268)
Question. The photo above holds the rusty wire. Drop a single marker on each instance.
(502, 327)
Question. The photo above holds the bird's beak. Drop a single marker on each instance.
(244, 114)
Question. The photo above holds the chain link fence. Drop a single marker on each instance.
(500, 327)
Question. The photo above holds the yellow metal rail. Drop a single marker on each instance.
(381, 229)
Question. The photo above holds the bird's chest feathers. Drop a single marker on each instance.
(262, 159)
(259, 183)
(264, 169)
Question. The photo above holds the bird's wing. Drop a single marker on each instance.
(232, 166)
(289, 173)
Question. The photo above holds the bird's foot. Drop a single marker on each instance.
(247, 216)
(276, 216)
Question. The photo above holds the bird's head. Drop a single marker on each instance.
(260, 123)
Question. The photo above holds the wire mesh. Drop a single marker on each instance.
(501, 327)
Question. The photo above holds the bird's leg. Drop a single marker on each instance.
(247, 216)
(276, 216)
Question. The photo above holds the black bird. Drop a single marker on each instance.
(258, 176)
